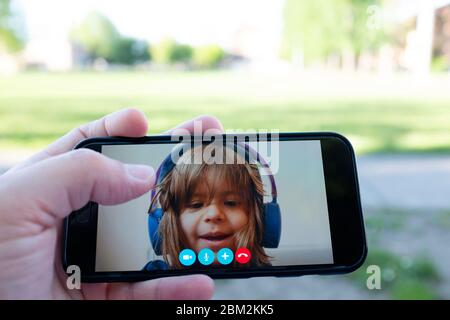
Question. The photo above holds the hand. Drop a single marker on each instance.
(36, 195)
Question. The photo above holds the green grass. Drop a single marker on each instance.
(393, 115)
(402, 277)
(443, 220)
(405, 273)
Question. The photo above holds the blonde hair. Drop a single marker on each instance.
(177, 188)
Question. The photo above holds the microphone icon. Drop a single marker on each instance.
(206, 256)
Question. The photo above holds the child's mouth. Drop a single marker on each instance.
(214, 236)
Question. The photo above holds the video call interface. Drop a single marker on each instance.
(240, 205)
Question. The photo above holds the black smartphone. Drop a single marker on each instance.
(225, 205)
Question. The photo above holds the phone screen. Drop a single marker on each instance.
(269, 211)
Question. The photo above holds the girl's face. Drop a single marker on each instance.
(213, 223)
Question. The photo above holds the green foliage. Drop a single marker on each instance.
(314, 29)
(9, 41)
(439, 64)
(208, 56)
(386, 219)
(129, 51)
(168, 51)
(412, 290)
(181, 53)
(360, 36)
(99, 38)
(11, 28)
(403, 277)
(321, 28)
(97, 35)
(443, 220)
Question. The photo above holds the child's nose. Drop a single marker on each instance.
(213, 214)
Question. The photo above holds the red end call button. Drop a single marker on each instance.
(242, 255)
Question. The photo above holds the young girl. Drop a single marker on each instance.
(212, 206)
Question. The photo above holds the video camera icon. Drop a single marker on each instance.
(187, 257)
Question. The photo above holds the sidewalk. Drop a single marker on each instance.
(405, 181)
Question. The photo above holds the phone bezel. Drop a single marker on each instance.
(344, 212)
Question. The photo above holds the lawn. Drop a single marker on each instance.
(394, 114)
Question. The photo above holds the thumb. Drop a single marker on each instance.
(51, 189)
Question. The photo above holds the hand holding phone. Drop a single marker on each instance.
(37, 194)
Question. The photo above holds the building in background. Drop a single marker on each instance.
(425, 39)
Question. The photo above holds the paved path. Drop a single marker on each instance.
(405, 181)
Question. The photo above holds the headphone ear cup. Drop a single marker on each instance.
(154, 218)
(272, 225)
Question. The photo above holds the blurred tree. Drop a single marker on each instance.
(11, 28)
(168, 51)
(129, 51)
(208, 56)
(97, 35)
(361, 35)
(99, 38)
(315, 30)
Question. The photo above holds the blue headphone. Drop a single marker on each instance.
(272, 212)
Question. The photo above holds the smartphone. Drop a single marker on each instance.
(225, 205)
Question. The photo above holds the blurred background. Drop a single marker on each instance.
(376, 71)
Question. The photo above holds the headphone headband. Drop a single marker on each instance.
(167, 165)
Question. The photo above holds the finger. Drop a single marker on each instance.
(200, 124)
(171, 288)
(53, 188)
(128, 122)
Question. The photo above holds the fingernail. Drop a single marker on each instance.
(140, 172)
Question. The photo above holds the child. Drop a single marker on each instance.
(212, 206)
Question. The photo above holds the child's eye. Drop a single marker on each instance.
(231, 203)
(196, 205)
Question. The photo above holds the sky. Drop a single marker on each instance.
(193, 21)
(408, 8)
